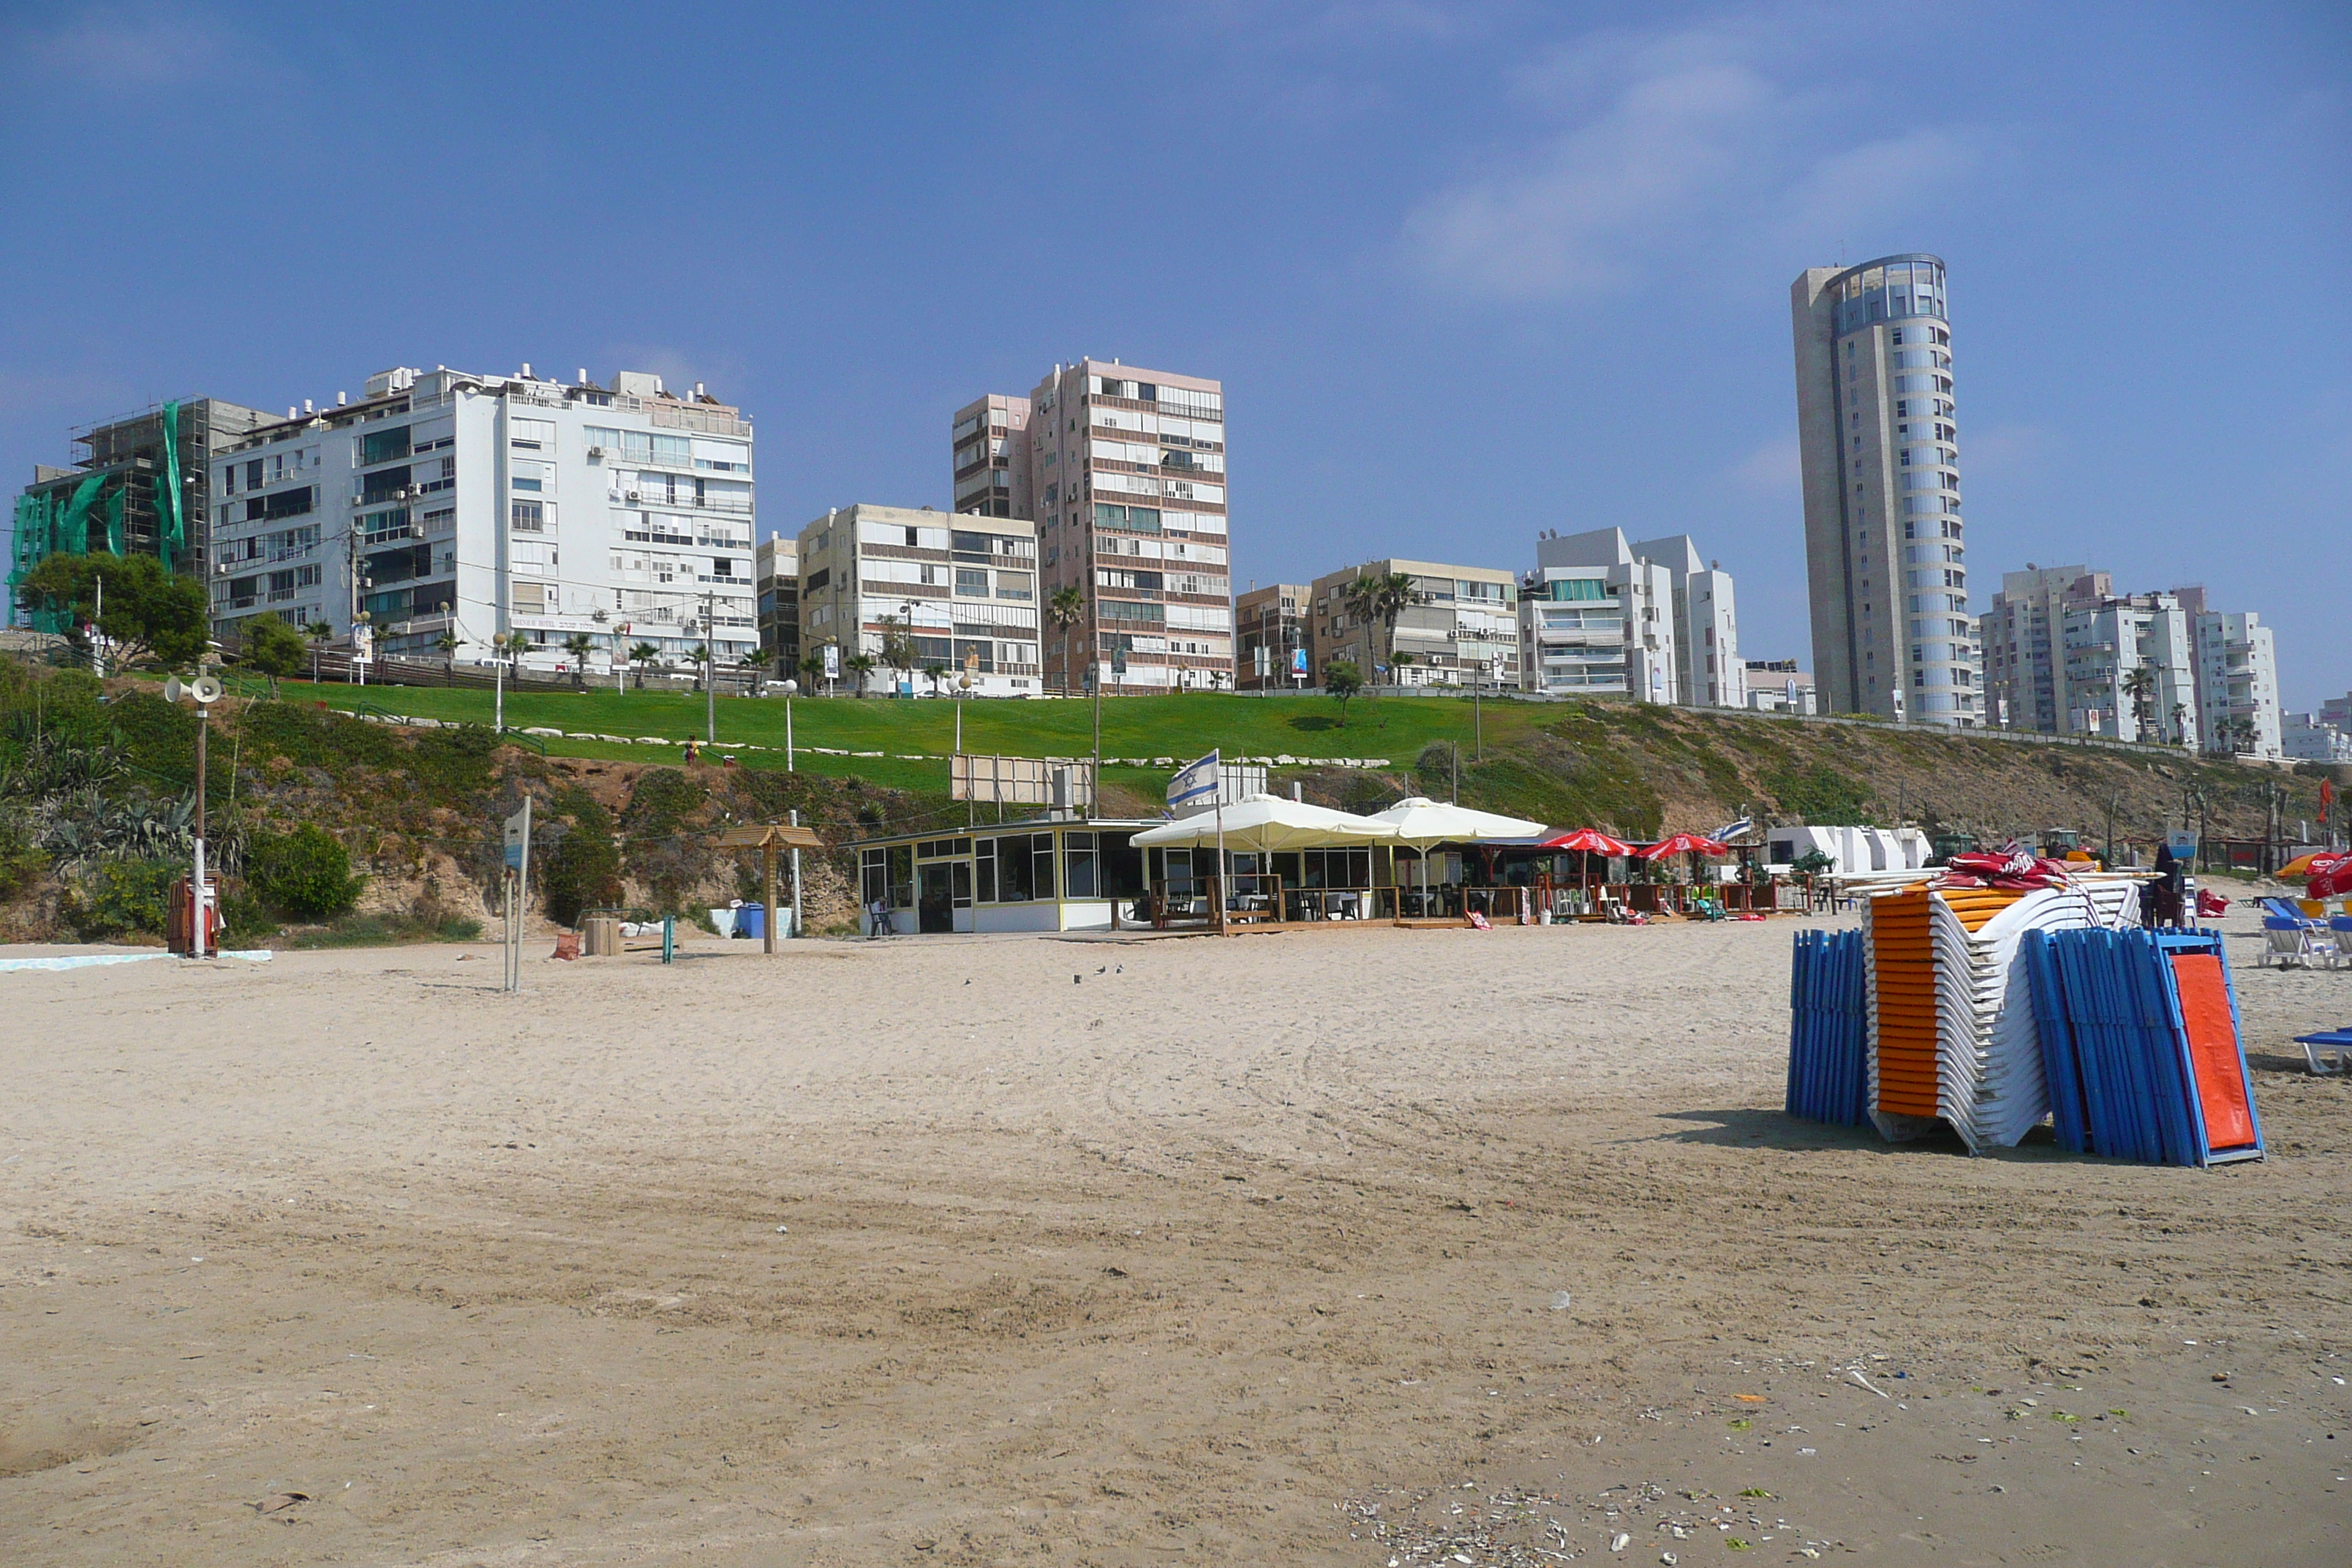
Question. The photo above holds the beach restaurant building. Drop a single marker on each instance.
(1042, 873)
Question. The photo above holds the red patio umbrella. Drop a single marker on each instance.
(1682, 844)
(2330, 877)
(1589, 841)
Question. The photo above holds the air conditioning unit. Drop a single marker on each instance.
(596, 454)
(220, 568)
(634, 498)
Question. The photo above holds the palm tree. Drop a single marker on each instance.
(2140, 685)
(579, 646)
(514, 644)
(754, 664)
(317, 632)
(938, 673)
(1380, 598)
(812, 667)
(641, 655)
(1066, 607)
(449, 642)
(698, 656)
(2180, 724)
(861, 666)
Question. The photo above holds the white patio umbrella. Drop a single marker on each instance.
(1420, 823)
(1265, 824)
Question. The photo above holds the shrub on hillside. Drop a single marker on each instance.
(304, 875)
(583, 869)
(119, 898)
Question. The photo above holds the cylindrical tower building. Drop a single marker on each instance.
(1885, 551)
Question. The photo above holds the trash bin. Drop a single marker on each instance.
(751, 920)
(600, 935)
(179, 921)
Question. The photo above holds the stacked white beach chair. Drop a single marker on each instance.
(1989, 1082)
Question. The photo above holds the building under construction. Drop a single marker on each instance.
(142, 486)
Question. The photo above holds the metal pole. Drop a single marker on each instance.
(196, 945)
(795, 819)
(1477, 729)
(788, 750)
(1454, 791)
(710, 666)
(498, 686)
(1094, 674)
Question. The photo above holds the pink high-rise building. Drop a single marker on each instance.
(1123, 470)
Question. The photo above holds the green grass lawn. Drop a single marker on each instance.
(1183, 726)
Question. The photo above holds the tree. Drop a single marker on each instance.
(1342, 681)
(2140, 685)
(2181, 724)
(897, 646)
(579, 646)
(319, 632)
(862, 666)
(1066, 607)
(641, 655)
(1380, 598)
(151, 615)
(449, 642)
(304, 875)
(698, 656)
(813, 667)
(272, 646)
(583, 869)
(755, 667)
(937, 674)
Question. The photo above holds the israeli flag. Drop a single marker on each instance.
(1195, 784)
(1731, 830)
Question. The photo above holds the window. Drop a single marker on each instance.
(384, 446)
(970, 583)
(531, 435)
(530, 517)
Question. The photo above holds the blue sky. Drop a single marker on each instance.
(1467, 271)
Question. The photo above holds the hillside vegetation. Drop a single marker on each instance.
(96, 787)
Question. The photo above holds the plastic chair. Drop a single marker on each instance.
(2286, 941)
(2329, 1051)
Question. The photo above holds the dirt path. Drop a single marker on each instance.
(1256, 1251)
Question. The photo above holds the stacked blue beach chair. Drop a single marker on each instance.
(2141, 1046)
(1828, 1029)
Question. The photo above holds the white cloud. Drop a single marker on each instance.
(130, 45)
(1650, 144)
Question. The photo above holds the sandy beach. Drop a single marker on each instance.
(1355, 1246)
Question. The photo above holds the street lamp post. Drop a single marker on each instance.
(790, 688)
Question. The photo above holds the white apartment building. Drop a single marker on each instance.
(959, 592)
(1652, 621)
(1878, 441)
(2310, 737)
(2237, 682)
(2130, 669)
(1779, 685)
(1123, 470)
(1459, 630)
(776, 579)
(444, 503)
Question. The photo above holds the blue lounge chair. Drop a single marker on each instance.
(2329, 1051)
